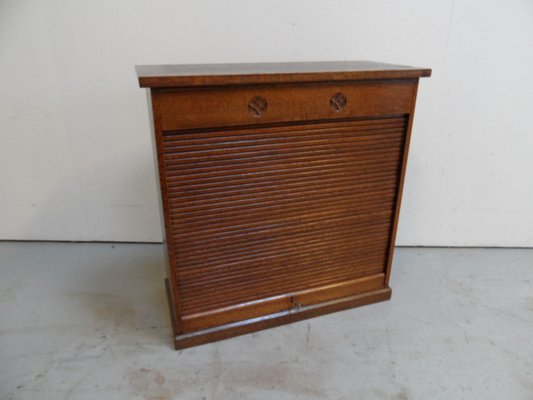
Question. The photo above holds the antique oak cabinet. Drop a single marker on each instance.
(280, 188)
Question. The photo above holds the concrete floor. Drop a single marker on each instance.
(89, 321)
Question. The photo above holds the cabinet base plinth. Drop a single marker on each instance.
(226, 331)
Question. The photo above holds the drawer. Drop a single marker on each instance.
(184, 109)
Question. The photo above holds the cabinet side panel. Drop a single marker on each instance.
(405, 154)
(156, 137)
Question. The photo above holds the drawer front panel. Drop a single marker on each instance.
(186, 109)
(267, 219)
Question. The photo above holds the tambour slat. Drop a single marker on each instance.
(190, 263)
(272, 181)
(249, 290)
(273, 218)
(352, 262)
(271, 239)
(308, 195)
(354, 125)
(250, 146)
(257, 160)
(225, 263)
(324, 182)
(314, 268)
(256, 213)
(265, 149)
(232, 265)
(330, 158)
(234, 160)
(269, 236)
(253, 228)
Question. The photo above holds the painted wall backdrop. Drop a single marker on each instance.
(75, 151)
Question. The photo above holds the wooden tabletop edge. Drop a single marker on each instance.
(224, 80)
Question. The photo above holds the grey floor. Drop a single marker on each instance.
(89, 321)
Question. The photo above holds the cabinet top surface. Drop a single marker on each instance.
(160, 76)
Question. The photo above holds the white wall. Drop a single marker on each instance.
(75, 155)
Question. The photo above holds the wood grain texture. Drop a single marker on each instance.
(183, 109)
(280, 199)
(323, 218)
(269, 73)
(182, 341)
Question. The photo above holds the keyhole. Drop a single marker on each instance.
(295, 304)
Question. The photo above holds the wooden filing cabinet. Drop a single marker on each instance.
(280, 188)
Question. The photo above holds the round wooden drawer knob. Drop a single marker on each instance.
(338, 102)
(257, 106)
